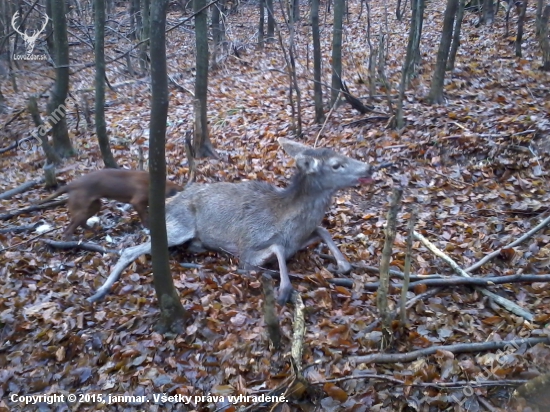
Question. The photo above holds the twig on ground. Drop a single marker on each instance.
(505, 303)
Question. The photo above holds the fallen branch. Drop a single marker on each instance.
(439, 385)
(32, 208)
(459, 348)
(91, 247)
(523, 238)
(485, 281)
(505, 303)
(8, 148)
(16, 229)
(374, 269)
(20, 189)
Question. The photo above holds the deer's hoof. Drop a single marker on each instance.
(344, 267)
(285, 295)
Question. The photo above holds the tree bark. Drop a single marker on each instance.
(173, 313)
(57, 108)
(317, 63)
(145, 32)
(456, 35)
(543, 38)
(261, 24)
(408, 64)
(521, 20)
(337, 49)
(100, 125)
(436, 90)
(270, 21)
(201, 141)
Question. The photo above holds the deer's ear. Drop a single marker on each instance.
(308, 164)
(292, 148)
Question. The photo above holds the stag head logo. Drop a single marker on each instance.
(29, 39)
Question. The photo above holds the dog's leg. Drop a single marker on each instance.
(140, 204)
(81, 209)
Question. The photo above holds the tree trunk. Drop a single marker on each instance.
(173, 313)
(488, 15)
(57, 107)
(100, 126)
(145, 32)
(49, 28)
(408, 64)
(261, 24)
(521, 20)
(419, 10)
(543, 38)
(270, 21)
(317, 63)
(538, 21)
(337, 49)
(218, 30)
(456, 35)
(436, 90)
(201, 141)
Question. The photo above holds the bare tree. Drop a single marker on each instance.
(201, 142)
(145, 31)
(337, 49)
(270, 20)
(172, 311)
(456, 35)
(100, 126)
(487, 12)
(521, 20)
(317, 63)
(56, 107)
(543, 38)
(408, 64)
(436, 90)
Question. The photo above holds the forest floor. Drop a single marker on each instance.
(477, 167)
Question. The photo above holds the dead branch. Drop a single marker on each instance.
(326, 120)
(270, 316)
(374, 269)
(20, 189)
(439, 385)
(354, 101)
(8, 148)
(16, 229)
(505, 303)
(458, 348)
(299, 326)
(456, 281)
(523, 238)
(91, 247)
(407, 269)
(32, 208)
(382, 294)
(190, 153)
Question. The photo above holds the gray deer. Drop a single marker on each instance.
(257, 221)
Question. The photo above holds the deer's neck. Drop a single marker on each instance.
(307, 193)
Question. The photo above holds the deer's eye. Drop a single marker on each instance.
(336, 166)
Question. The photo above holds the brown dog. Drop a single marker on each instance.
(128, 186)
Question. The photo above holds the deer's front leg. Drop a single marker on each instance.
(343, 264)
